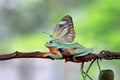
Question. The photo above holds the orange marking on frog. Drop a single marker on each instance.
(66, 53)
(54, 50)
(44, 54)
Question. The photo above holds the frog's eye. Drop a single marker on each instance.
(52, 41)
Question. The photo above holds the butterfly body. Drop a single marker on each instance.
(61, 45)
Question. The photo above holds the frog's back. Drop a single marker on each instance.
(70, 45)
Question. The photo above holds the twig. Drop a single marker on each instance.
(17, 54)
(107, 55)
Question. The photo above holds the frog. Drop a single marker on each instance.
(58, 49)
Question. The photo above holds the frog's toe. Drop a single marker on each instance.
(74, 58)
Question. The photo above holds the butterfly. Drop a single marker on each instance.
(64, 30)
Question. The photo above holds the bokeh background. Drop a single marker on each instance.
(96, 22)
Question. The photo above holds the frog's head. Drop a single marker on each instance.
(54, 43)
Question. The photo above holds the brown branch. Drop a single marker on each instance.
(17, 54)
(102, 55)
(107, 55)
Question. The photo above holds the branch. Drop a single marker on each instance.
(17, 54)
(107, 55)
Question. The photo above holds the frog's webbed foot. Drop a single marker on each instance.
(54, 56)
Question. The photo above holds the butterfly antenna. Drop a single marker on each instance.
(46, 33)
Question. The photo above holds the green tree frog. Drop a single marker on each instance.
(58, 49)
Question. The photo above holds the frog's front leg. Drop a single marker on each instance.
(54, 56)
(81, 52)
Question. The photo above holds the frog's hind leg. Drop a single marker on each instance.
(81, 52)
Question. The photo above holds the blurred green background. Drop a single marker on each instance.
(96, 23)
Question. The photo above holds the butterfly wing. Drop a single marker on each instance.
(64, 30)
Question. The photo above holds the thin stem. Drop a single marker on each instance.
(89, 68)
(98, 65)
(81, 69)
(88, 76)
(82, 72)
